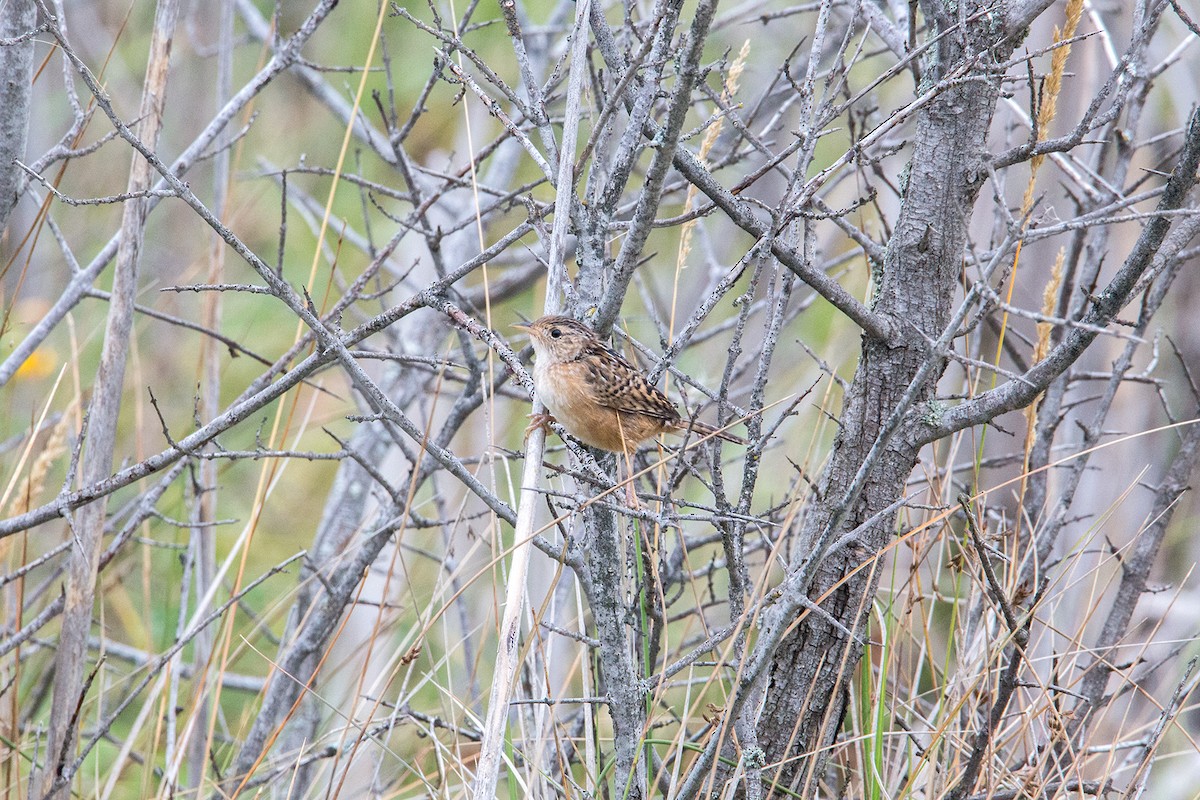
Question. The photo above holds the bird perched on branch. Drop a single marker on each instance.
(600, 398)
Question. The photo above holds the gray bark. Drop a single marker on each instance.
(17, 17)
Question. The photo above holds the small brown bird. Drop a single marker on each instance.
(600, 398)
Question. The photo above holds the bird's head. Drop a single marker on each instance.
(557, 338)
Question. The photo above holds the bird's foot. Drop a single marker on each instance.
(539, 421)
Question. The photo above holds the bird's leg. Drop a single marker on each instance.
(630, 490)
(631, 498)
(539, 421)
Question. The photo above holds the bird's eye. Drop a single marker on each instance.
(555, 333)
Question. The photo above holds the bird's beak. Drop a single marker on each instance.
(525, 325)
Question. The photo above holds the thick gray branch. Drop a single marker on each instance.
(17, 17)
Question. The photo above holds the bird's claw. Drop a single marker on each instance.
(539, 421)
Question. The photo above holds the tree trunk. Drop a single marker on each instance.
(805, 698)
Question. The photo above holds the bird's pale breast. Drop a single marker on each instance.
(565, 390)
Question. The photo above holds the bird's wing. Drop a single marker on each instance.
(617, 384)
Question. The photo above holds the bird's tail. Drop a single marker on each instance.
(700, 429)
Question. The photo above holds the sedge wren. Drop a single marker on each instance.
(600, 398)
